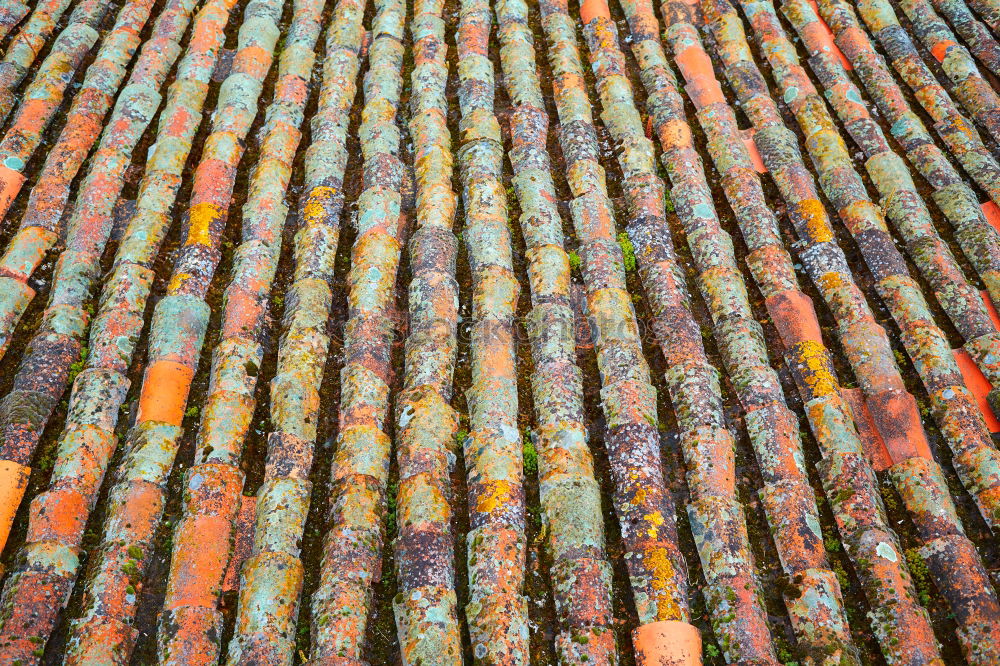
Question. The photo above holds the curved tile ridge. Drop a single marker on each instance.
(177, 331)
(958, 132)
(24, 47)
(790, 309)
(87, 443)
(271, 580)
(60, 514)
(643, 503)
(960, 135)
(26, 409)
(58, 341)
(973, 91)
(847, 475)
(716, 516)
(42, 98)
(865, 342)
(787, 496)
(977, 36)
(902, 204)
(880, 380)
(979, 241)
(570, 495)
(191, 623)
(975, 457)
(426, 610)
(899, 199)
(11, 13)
(497, 611)
(910, 475)
(352, 553)
(41, 225)
(979, 613)
(952, 405)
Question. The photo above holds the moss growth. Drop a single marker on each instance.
(131, 569)
(921, 576)
(574, 260)
(785, 655)
(76, 368)
(192, 412)
(391, 491)
(661, 170)
(46, 461)
(889, 498)
(628, 252)
(925, 410)
(843, 495)
(845, 582)
(530, 455)
(535, 515)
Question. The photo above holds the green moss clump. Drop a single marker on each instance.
(889, 499)
(131, 569)
(530, 455)
(574, 260)
(920, 574)
(845, 582)
(785, 655)
(535, 515)
(76, 368)
(628, 252)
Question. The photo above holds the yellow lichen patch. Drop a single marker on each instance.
(655, 520)
(496, 497)
(817, 224)
(640, 493)
(177, 281)
(201, 218)
(662, 571)
(816, 372)
(314, 210)
(831, 280)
